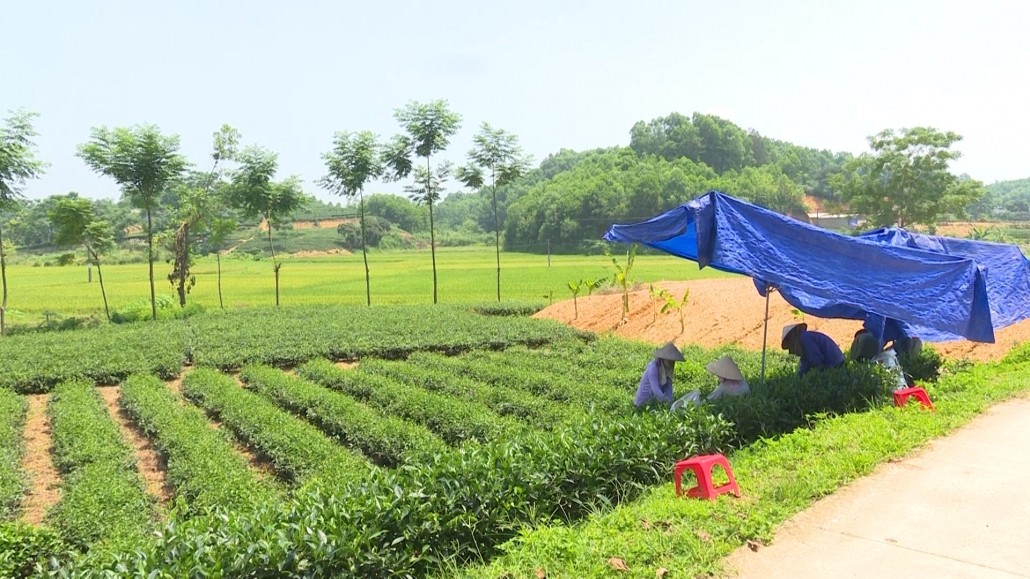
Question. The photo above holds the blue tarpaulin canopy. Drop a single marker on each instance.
(1006, 269)
(820, 272)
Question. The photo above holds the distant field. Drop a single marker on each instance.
(402, 277)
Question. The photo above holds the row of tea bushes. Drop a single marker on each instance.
(203, 467)
(297, 449)
(455, 419)
(102, 494)
(386, 440)
(12, 421)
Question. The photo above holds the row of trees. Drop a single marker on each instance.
(153, 175)
(571, 197)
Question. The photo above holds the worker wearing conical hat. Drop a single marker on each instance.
(731, 381)
(656, 383)
(817, 350)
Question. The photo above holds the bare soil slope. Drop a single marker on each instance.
(730, 311)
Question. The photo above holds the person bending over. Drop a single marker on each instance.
(731, 381)
(816, 350)
(656, 383)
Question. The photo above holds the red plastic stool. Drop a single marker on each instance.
(702, 467)
(901, 397)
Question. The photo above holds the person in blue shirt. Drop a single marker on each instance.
(656, 383)
(816, 350)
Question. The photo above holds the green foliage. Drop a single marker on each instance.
(298, 451)
(905, 179)
(1006, 200)
(167, 309)
(102, 495)
(391, 525)
(103, 355)
(924, 366)
(788, 401)
(507, 308)
(12, 484)
(25, 549)
(295, 335)
(203, 467)
(375, 229)
(419, 371)
(455, 419)
(384, 439)
(142, 161)
(398, 211)
(621, 277)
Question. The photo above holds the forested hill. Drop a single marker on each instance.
(1005, 200)
(573, 197)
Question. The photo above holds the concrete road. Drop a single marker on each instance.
(958, 508)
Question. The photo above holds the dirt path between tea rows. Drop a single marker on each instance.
(44, 481)
(149, 461)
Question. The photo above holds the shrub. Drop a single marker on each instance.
(924, 366)
(12, 421)
(25, 549)
(508, 308)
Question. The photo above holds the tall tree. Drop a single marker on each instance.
(429, 128)
(18, 164)
(196, 206)
(76, 223)
(497, 153)
(253, 192)
(905, 179)
(355, 160)
(143, 162)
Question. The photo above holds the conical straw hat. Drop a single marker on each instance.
(788, 329)
(669, 352)
(726, 368)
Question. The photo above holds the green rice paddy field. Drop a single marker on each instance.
(465, 274)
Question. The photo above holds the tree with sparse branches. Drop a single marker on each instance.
(253, 191)
(196, 208)
(428, 128)
(496, 154)
(355, 160)
(906, 180)
(75, 223)
(18, 164)
(143, 162)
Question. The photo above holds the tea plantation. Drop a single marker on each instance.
(455, 432)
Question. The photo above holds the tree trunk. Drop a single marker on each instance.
(3, 282)
(432, 232)
(497, 238)
(364, 249)
(150, 264)
(275, 265)
(103, 293)
(218, 259)
(182, 261)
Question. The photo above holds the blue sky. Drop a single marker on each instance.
(559, 74)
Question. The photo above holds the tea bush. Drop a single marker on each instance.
(12, 420)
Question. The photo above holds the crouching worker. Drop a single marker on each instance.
(656, 384)
(731, 381)
(816, 350)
